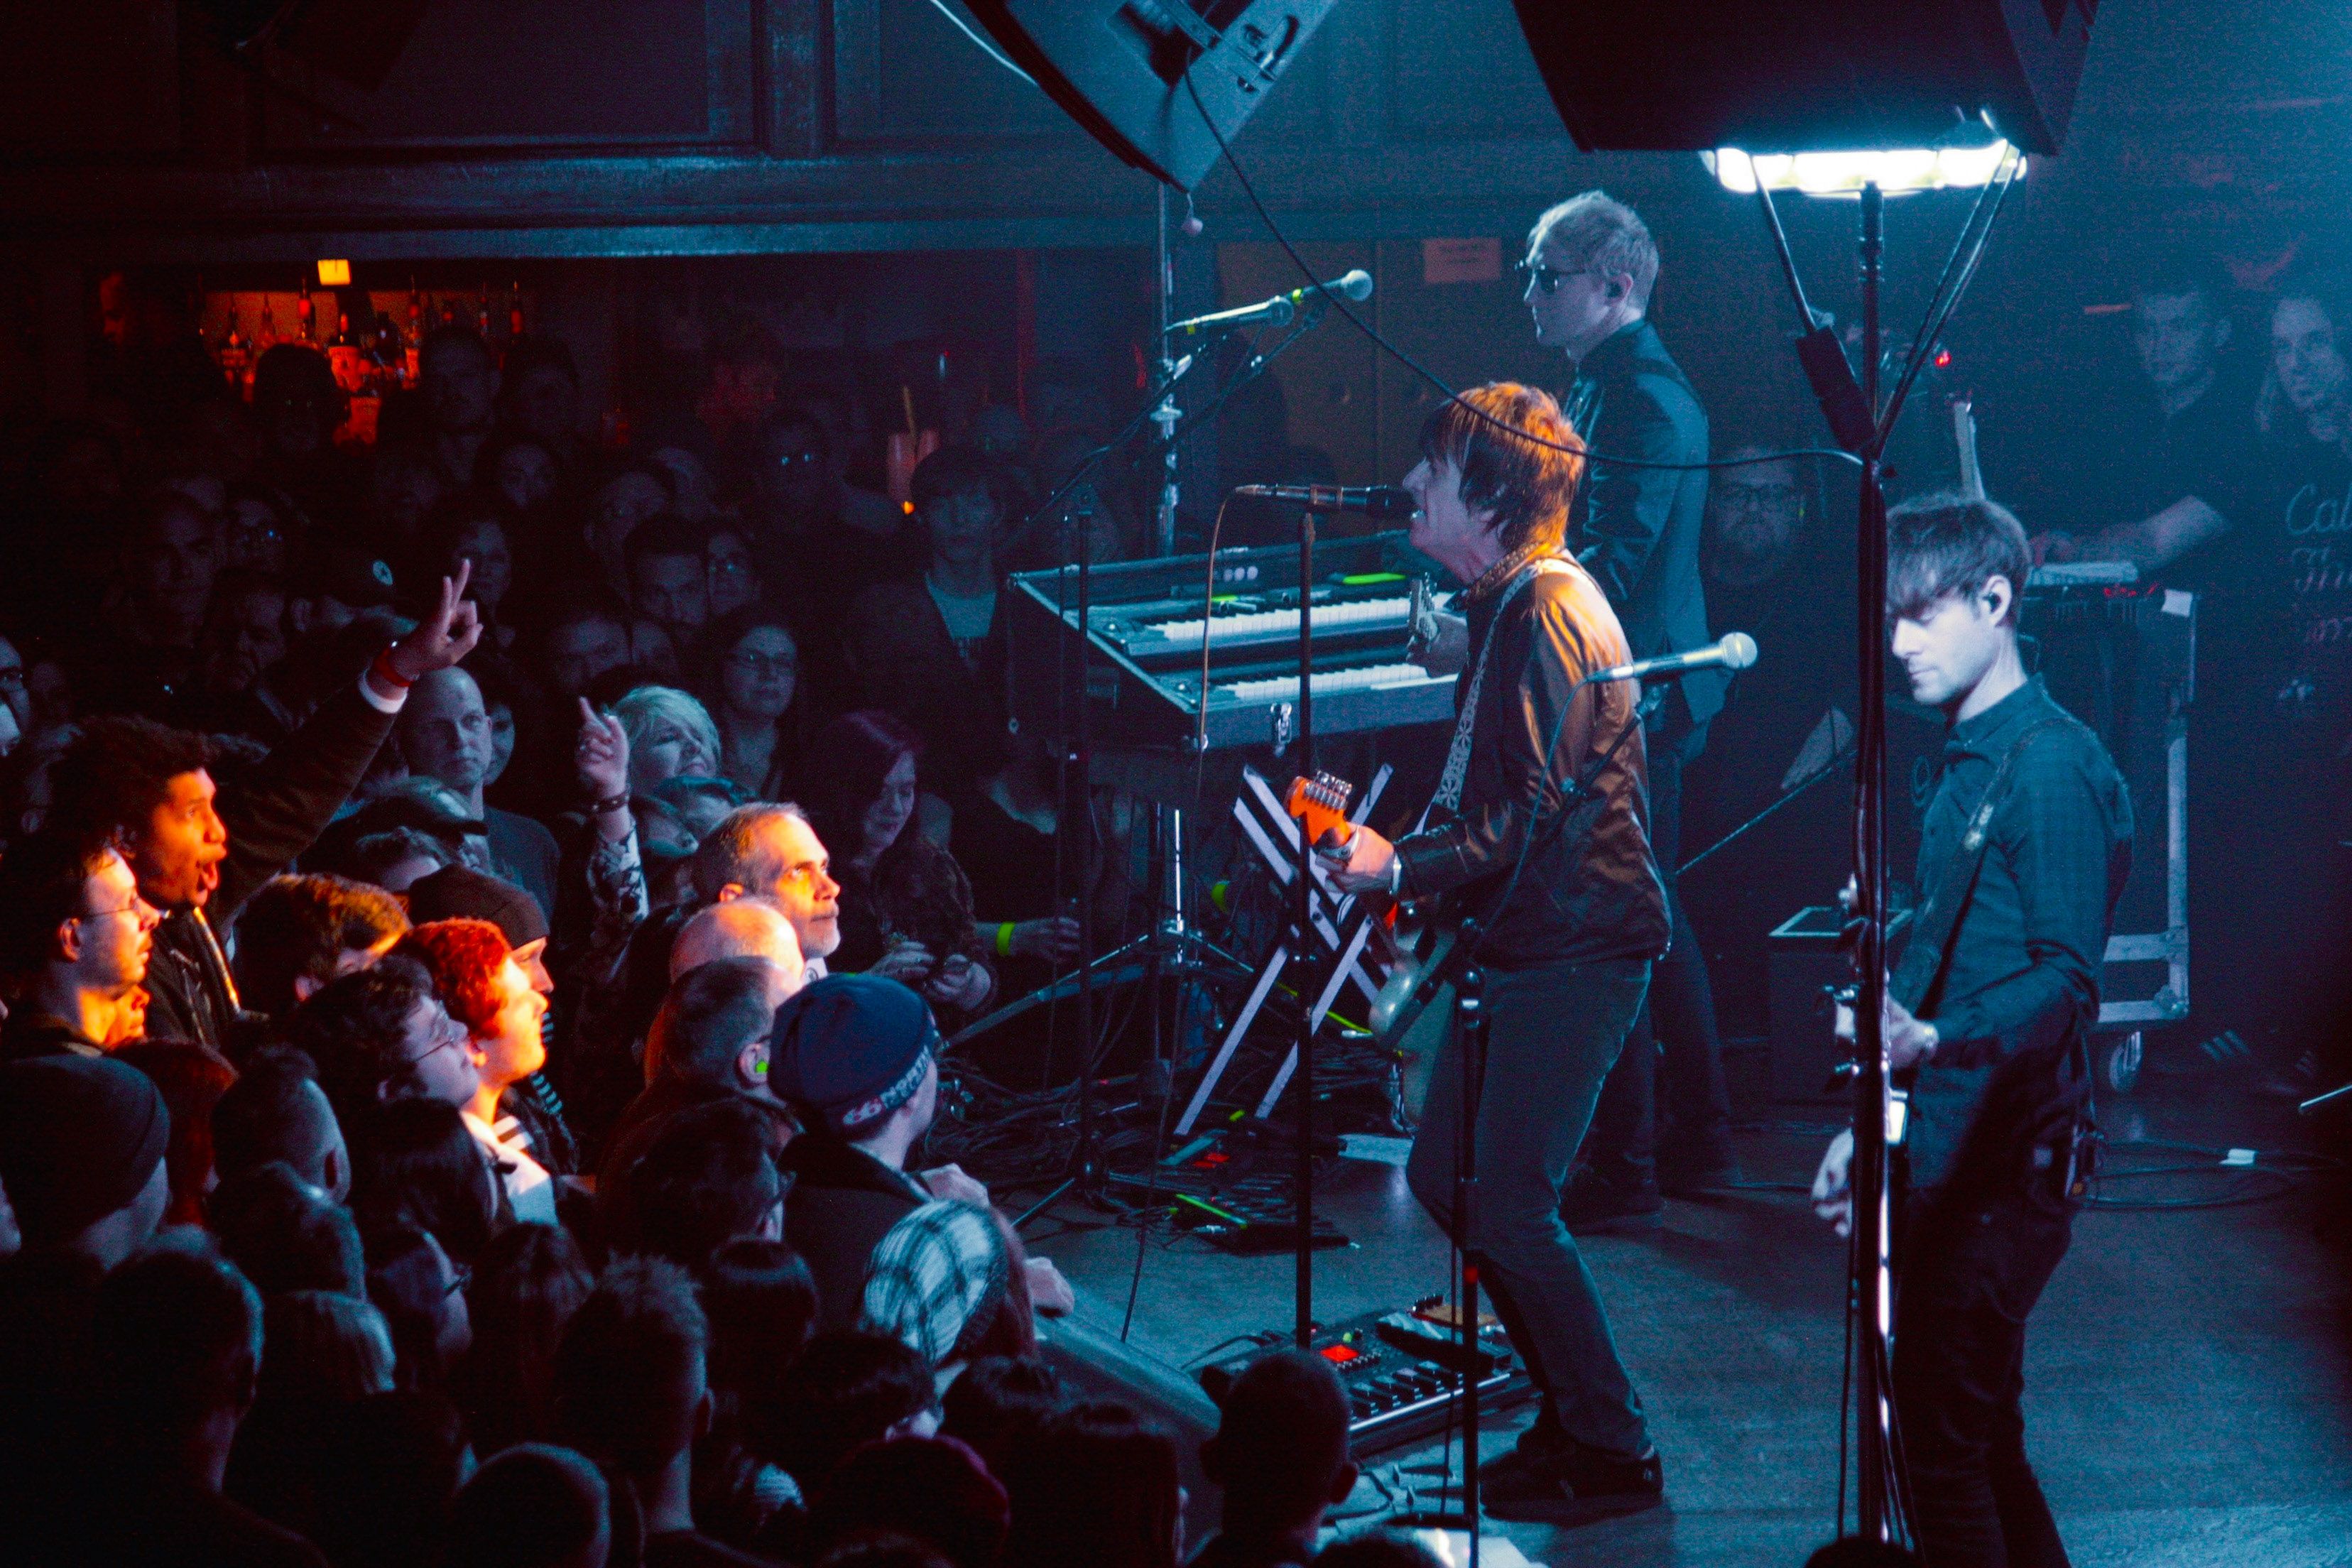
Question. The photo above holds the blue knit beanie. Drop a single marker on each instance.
(850, 1049)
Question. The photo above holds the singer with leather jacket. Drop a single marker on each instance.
(1570, 913)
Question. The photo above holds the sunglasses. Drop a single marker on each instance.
(1547, 280)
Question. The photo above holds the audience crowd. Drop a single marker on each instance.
(477, 919)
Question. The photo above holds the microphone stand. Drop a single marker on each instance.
(1085, 1171)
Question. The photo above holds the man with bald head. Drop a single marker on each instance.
(445, 735)
(740, 928)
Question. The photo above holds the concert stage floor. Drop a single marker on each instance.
(2188, 1402)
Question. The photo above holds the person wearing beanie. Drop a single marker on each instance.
(81, 1158)
(81, 1155)
(856, 1056)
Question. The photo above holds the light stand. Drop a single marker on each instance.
(1873, 1287)
(1302, 945)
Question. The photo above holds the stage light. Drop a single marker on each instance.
(334, 273)
(1897, 172)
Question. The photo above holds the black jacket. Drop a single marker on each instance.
(843, 1200)
(1589, 888)
(1637, 529)
(273, 814)
(2016, 987)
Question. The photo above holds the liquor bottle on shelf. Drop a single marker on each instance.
(514, 310)
(306, 312)
(343, 356)
(236, 352)
(482, 311)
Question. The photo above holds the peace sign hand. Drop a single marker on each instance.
(446, 637)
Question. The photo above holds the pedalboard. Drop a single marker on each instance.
(1399, 1369)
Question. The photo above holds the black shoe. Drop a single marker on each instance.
(1597, 1206)
(1571, 1485)
(1541, 1441)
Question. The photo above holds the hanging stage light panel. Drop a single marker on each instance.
(1793, 76)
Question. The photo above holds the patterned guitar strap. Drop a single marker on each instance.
(1458, 755)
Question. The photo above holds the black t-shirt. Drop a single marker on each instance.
(2209, 450)
(2284, 618)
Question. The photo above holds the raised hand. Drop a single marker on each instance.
(603, 757)
(444, 637)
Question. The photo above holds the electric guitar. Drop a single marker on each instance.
(1419, 939)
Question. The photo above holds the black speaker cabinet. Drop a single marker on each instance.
(1789, 76)
(1119, 68)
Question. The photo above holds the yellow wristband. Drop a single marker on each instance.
(1004, 939)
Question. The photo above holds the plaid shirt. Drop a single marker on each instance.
(2021, 976)
(935, 1275)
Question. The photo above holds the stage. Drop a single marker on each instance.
(2185, 1380)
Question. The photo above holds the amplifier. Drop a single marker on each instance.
(1399, 1369)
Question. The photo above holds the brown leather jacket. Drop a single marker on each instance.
(1589, 888)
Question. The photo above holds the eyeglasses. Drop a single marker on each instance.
(12, 675)
(760, 664)
(461, 1278)
(453, 1035)
(132, 907)
(1547, 280)
(732, 566)
(791, 460)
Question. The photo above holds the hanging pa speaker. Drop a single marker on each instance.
(1119, 67)
(1794, 76)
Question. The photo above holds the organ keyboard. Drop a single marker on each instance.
(1141, 649)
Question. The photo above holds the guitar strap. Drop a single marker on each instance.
(1458, 755)
(1925, 955)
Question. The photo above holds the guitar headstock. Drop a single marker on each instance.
(1321, 804)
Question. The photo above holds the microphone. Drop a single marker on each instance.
(1365, 501)
(1356, 285)
(1736, 651)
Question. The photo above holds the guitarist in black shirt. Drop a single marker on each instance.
(2024, 852)
(1570, 914)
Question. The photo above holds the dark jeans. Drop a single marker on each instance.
(1969, 1266)
(1551, 1034)
(1679, 1018)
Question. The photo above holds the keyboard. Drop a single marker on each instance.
(1364, 678)
(1260, 626)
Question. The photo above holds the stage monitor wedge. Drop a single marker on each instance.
(1798, 76)
(1117, 68)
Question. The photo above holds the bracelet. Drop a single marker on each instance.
(1004, 939)
(610, 803)
(384, 669)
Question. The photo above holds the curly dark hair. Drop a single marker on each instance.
(111, 780)
(354, 1029)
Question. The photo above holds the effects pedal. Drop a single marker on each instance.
(1399, 1387)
